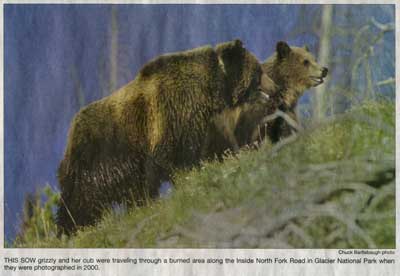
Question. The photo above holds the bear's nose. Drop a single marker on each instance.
(324, 72)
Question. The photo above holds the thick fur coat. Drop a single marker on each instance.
(170, 116)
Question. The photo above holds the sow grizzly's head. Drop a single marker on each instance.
(294, 70)
(249, 89)
(245, 80)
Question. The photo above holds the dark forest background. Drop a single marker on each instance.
(59, 58)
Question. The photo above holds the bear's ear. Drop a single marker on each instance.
(231, 57)
(239, 67)
(238, 43)
(231, 48)
(283, 49)
(306, 48)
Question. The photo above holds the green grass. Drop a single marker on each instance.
(331, 186)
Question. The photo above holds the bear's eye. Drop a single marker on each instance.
(306, 62)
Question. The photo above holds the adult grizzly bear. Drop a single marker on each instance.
(122, 147)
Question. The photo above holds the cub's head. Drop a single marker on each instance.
(294, 68)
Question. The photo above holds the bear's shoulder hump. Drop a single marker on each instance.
(160, 63)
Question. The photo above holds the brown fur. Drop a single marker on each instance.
(180, 109)
(293, 70)
(122, 147)
(285, 78)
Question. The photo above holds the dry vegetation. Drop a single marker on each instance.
(330, 186)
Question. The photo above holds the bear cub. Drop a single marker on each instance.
(287, 74)
(293, 70)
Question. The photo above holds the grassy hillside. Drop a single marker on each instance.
(330, 186)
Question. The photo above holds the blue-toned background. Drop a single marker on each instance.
(61, 57)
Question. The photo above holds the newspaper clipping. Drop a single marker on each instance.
(199, 137)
